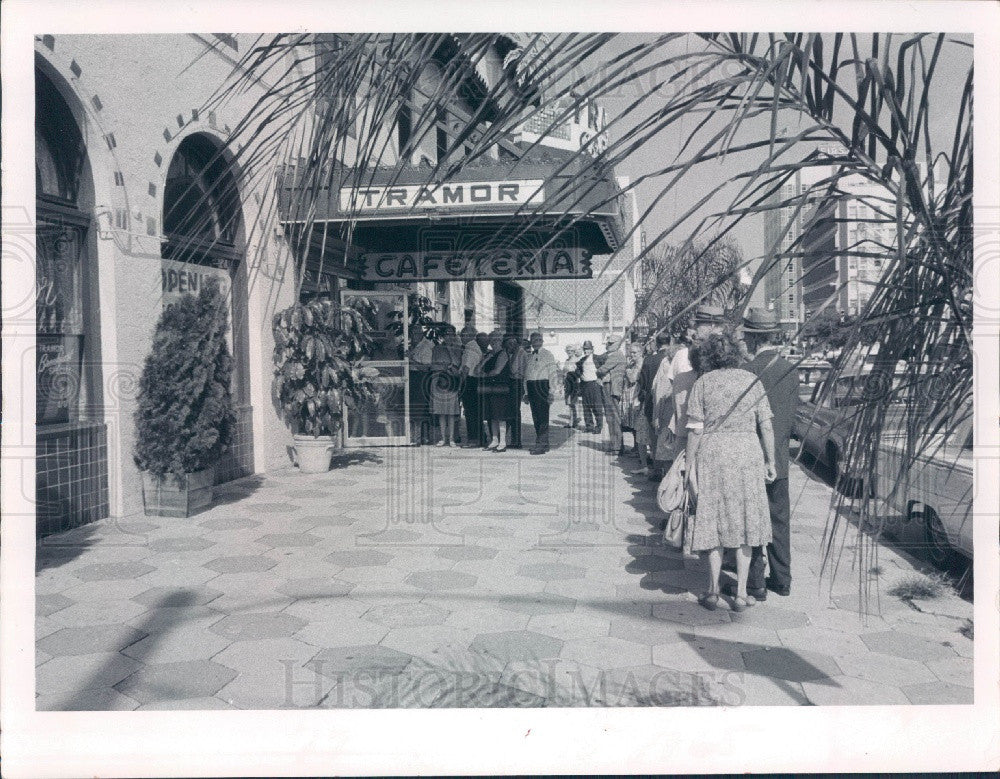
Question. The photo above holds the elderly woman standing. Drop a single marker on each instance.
(730, 458)
(446, 359)
(494, 388)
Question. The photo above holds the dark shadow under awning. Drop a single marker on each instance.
(544, 199)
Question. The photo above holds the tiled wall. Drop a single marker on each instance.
(238, 462)
(71, 482)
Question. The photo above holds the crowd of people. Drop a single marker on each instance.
(721, 395)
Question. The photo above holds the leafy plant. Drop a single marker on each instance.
(318, 349)
(184, 420)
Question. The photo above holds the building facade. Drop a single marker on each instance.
(144, 195)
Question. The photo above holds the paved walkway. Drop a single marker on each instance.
(427, 577)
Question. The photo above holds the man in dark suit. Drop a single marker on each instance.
(645, 387)
(781, 382)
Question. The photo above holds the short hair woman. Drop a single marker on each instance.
(730, 458)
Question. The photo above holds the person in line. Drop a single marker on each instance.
(571, 385)
(612, 375)
(473, 349)
(494, 391)
(730, 457)
(672, 383)
(541, 383)
(420, 355)
(446, 360)
(781, 382)
(518, 366)
(590, 390)
(633, 418)
(650, 364)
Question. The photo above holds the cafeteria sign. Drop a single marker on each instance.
(456, 195)
(573, 263)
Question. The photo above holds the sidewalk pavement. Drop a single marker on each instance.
(428, 577)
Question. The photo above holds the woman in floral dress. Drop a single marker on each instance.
(730, 455)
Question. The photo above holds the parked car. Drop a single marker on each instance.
(823, 424)
(930, 497)
(811, 373)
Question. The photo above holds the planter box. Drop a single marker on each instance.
(177, 496)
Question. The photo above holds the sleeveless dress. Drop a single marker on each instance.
(732, 507)
(495, 390)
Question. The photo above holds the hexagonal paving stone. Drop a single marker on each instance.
(90, 639)
(772, 618)
(513, 645)
(77, 672)
(284, 540)
(244, 564)
(357, 558)
(357, 659)
(331, 520)
(177, 597)
(316, 589)
(102, 611)
(190, 704)
(406, 614)
(180, 544)
(643, 631)
(248, 627)
(436, 581)
(792, 666)
(548, 572)
(606, 652)
(466, 552)
(112, 571)
(49, 604)
(954, 670)
(86, 700)
(849, 691)
(490, 531)
(905, 645)
(569, 625)
(537, 604)
(230, 523)
(392, 535)
(272, 508)
(181, 643)
(689, 613)
(935, 693)
(176, 681)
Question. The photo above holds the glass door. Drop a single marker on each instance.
(384, 421)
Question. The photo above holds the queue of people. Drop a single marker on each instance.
(726, 399)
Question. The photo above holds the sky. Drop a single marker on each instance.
(662, 149)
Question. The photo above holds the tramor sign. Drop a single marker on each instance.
(572, 263)
(461, 194)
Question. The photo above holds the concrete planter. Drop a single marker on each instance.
(312, 455)
(177, 496)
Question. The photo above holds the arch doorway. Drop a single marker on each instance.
(204, 237)
(71, 458)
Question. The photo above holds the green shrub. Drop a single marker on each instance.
(184, 421)
(318, 348)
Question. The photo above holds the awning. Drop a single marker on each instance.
(546, 200)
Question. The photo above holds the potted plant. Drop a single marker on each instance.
(184, 421)
(318, 349)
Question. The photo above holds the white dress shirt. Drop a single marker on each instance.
(542, 367)
(589, 372)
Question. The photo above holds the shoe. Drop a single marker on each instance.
(493, 444)
(708, 600)
(742, 604)
(729, 588)
(453, 445)
(783, 590)
(501, 449)
(440, 443)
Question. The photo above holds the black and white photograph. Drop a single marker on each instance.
(382, 370)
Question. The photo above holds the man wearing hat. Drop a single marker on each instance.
(781, 382)
(590, 390)
(612, 375)
(674, 378)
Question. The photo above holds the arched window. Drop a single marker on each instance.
(58, 145)
(200, 204)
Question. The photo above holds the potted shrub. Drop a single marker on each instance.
(184, 420)
(318, 349)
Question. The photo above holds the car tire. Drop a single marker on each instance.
(939, 550)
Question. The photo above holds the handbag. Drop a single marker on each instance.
(670, 493)
(674, 531)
